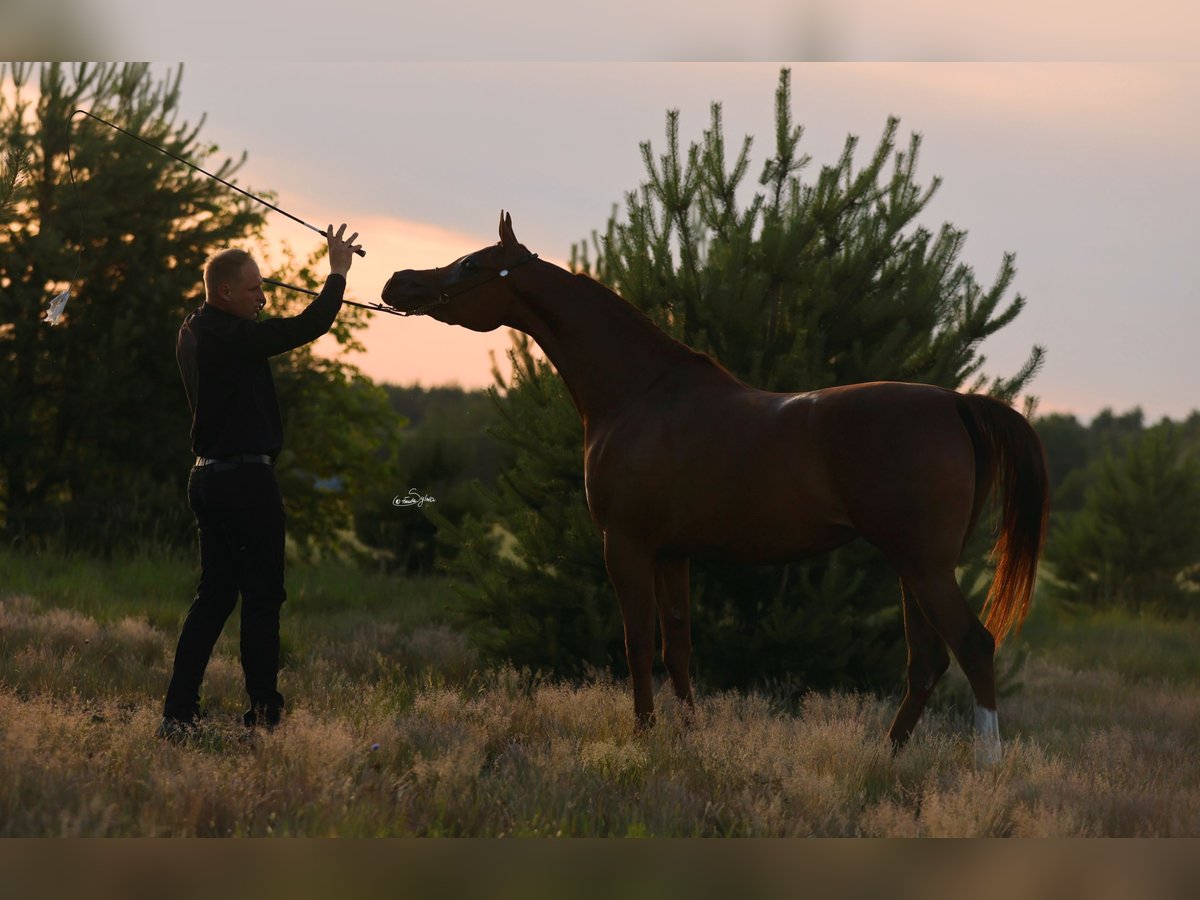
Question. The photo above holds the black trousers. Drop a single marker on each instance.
(239, 514)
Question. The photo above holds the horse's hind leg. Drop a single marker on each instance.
(927, 662)
(674, 619)
(972, 645)
(632, 572)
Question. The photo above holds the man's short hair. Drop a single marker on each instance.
(223, 267)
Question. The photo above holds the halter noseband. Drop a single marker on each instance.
(447, 296)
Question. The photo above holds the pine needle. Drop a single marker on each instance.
(13, 171)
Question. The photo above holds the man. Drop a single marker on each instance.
(236, 435)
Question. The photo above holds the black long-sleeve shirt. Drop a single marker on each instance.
(223, 360)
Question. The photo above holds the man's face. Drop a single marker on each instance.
(243, 294)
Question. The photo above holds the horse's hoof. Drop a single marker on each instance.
(644, 722)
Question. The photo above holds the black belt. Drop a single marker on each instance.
(260, 458)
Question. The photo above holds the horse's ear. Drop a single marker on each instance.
(507, 237)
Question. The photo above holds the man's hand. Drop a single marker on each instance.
(341, 252)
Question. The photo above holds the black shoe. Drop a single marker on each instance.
(266, 716)
(177, 731)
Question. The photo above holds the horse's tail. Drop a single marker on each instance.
(1009, 452)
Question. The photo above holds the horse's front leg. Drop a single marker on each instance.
(631, 570)
(674, 620)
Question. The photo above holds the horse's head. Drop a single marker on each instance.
(472, 291)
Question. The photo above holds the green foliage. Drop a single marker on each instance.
(94, 430)
(1136, 540)
(808, 284)
(94, 423)
(14, 168)
(1141, 646)
(443, 452)
(1074, 452)
(1121, 514)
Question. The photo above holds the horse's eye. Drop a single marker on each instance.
(469, 265)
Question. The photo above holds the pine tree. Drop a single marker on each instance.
(14, 168)
(1075, 452)
(808, 285)
(1136, 541)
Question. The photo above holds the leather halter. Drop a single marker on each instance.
(447, 296)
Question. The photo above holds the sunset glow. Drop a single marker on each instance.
(414, 350)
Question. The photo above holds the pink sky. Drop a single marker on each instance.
(1085, 171)
(413, 350)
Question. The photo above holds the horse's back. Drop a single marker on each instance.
(736, 472)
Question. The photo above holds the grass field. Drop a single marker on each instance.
(394, 730)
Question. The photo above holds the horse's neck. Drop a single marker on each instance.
(606, 352)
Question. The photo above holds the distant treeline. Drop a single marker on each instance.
(1125, 510)
(444, 452)
(454, 423)
(1073, 448)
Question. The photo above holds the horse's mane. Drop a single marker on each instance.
(675, 346)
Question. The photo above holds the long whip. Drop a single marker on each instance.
(59, 303)
(173, 156)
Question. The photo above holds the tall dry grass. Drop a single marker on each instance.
(393, 731)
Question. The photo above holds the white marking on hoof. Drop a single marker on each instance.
(987, 737)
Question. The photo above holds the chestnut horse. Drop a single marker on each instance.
(682, 459)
